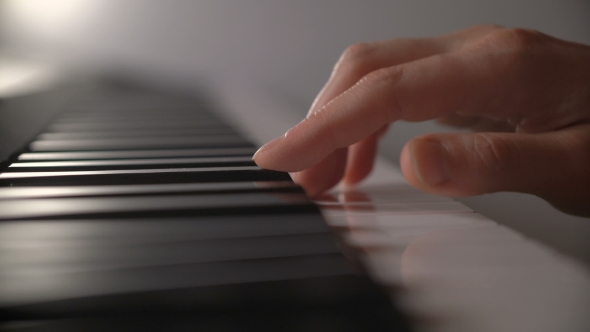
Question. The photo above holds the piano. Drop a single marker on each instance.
(137, 208)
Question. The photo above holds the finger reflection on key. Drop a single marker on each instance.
(355, 224)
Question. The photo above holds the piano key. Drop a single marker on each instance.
(96, 165)
(152, 176)
(139, 122)
(157, 239)
(158, 107)
(140, 143)
(307, 281)
(73, 257)
(133, 118)
(125, 126)
(147, 189)
(393, 208)
(127, 154)
(150, 206)
(136, 133)
(146, 231)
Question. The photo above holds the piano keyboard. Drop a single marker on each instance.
(137, 209)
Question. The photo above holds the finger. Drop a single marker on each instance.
(552, 165)
(360, 59)
(316, 180)
(357, 61)
(387, 95)
(361, 157)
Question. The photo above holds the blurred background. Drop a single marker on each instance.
(289, 47)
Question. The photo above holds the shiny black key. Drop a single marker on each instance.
(148, 189)
(147, 231)
(128, 154)
(308, 280)
(97, 165)
(79, 256)
(182, 175)
(151, 206)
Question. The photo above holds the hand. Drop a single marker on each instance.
(524, 81)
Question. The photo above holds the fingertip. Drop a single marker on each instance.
(423, 165)
(269, 155)
(406, 165)
(324, 175)
(360, 161)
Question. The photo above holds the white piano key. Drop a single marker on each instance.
(396, 208)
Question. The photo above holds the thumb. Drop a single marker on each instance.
(553, 165)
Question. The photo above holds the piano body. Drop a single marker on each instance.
(136, 209)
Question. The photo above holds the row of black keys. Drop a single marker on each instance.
(137, 207)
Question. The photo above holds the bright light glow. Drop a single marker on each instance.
(48, 17)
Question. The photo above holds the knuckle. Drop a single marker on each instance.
(357, 57)
(386, 81)
(486, 28)
(492, 153)
(512, 48)
(358, 52)
(516, 40)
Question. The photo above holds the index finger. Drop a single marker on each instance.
(416, 91)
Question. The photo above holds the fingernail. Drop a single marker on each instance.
(268, 147)
(431, 162)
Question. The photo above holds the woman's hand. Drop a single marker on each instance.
(494, 78)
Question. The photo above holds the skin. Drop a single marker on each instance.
(528, 94)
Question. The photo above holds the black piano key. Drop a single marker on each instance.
(153, 176)
(51, 258)
(151, 206)
(139, 143)
(97, 165)
(127, 154)
(320, 285)
(146, 231)
(147, 189)
(42, 287)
